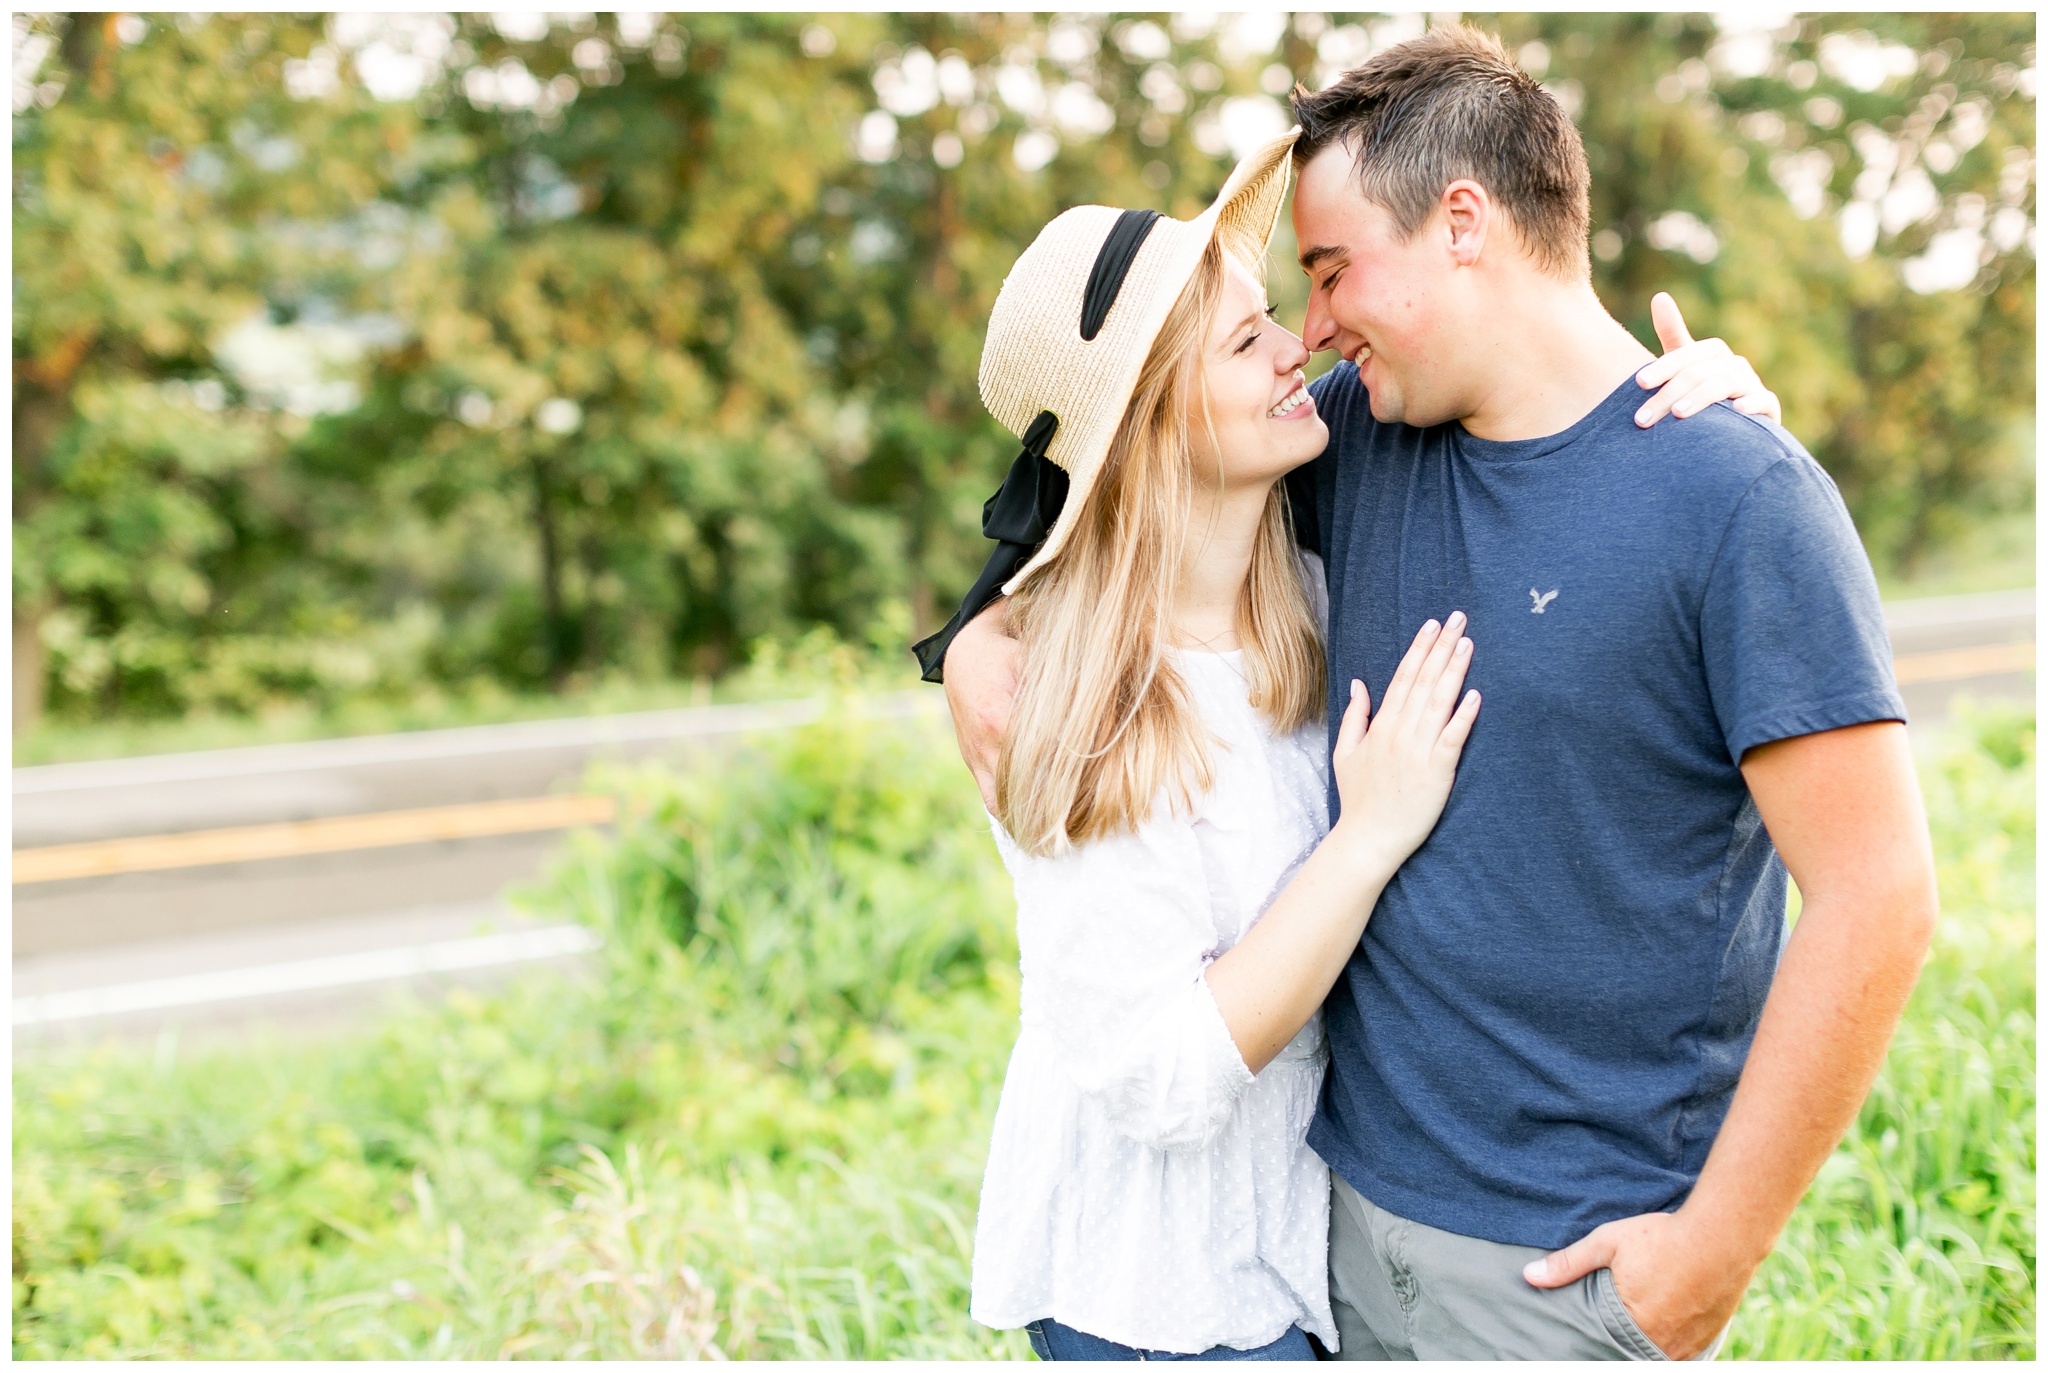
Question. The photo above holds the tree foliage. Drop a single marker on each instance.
(361, 353)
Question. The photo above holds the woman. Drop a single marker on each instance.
(1159, 800)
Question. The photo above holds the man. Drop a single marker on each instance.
(1575, 1091)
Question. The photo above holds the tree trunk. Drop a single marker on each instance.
(88, 37)
(31, 668)
(591, 650)
(924, 616)
(42, 407)
(554, 628)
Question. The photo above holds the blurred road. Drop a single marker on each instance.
(1956, 646)
(284, 885)
(281, 885)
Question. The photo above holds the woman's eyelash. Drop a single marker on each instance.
(1272, 312)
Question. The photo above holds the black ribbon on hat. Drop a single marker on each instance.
(1018, 517)
(1027, 505)
(1112, 264)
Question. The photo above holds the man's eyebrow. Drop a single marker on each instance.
(1315, 257)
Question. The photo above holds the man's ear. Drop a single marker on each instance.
(1468, 215)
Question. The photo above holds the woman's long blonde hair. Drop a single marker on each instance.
(1102, 721)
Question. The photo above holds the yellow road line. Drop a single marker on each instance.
(1956, 663)
(292, 839)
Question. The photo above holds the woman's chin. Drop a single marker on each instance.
(1303, 446)
(1308, 438)
(1274, 449)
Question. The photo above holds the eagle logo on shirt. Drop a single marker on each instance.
(1541, 599)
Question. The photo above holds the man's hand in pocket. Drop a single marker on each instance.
(1679, 1285)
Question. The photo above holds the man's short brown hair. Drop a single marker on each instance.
(1450, 105)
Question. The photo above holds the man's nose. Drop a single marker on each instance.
(1318, 329)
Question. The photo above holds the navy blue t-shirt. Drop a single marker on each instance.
(1544, 1023)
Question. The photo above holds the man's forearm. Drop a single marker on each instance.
(1843, 809)
(1845, 977)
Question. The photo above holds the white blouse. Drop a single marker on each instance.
(1142, 1185)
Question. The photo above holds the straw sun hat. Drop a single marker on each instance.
(1069, 333)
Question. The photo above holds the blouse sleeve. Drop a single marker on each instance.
(1116, 936)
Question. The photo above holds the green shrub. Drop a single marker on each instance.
(779, 1079)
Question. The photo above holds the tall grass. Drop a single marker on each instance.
(757, 1130)
(1917, 1239)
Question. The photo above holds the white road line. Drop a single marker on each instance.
(305, 974)
(1947, 612)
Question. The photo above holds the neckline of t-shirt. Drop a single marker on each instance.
(1623, 399)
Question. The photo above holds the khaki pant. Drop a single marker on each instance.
(1403, 1290)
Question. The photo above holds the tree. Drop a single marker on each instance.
(651, 336)
(770, 358)
(158, 170)
(1849, 199)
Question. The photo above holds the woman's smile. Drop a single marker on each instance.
(1296, 404)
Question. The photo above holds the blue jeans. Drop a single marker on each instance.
(1052, 1341)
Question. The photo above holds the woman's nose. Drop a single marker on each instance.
(1292, 355)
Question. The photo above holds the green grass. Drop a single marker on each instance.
(775, 670)
(1996, 553)
(760, 1125)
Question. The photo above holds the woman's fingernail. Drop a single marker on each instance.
(1464, 646)
(1356, 687)
(1430, 626)
(1533, 1271)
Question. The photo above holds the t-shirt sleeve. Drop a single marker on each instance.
(1791, 627)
